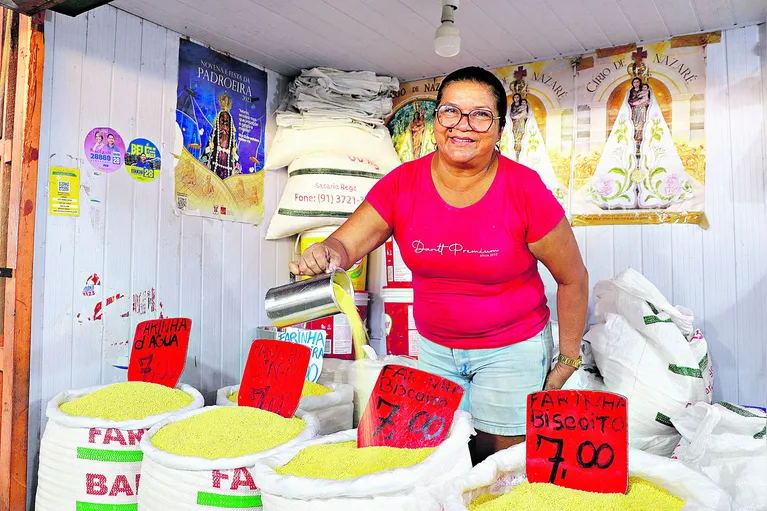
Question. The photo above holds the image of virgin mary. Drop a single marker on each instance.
(640, 167)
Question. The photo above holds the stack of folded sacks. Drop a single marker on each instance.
(332, 139)
(327, 97)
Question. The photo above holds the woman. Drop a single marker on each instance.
(472, 226)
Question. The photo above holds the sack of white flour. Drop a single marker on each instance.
(290, 143)
(323, 189)
(647, 350)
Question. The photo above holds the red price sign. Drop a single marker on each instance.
(409, 409)
(159, 350)
(578, 439)
(274, 376)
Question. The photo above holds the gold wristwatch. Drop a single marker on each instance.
(572, 362)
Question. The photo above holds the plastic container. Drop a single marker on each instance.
(358, 272)
(402, 338)
(338, 337)
(398, 275)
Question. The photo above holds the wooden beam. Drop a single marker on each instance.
(18, 304)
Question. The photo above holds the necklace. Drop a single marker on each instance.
(484, 172)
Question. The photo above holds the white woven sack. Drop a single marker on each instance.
(334, 410)
(323, 189)
(92, 461)
(362, 374)
(190, 483)
(647, 351)
(290, 143)
(400, 489)
(504, 470)
(728, 443)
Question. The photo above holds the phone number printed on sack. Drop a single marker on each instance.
(329, 198)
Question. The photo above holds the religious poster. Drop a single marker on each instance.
(640, 147)
(539, 120)
(221, 117)
(411, 122)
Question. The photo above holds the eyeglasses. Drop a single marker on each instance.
(479, 120)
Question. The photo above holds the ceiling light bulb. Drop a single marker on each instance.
(447, 40)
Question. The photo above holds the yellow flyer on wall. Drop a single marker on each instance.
(64, 192)
(640, 149)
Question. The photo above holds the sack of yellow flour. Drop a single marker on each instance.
(400, 488)
(202, 460)
(90, 453)
(333, 410)
(505, 471)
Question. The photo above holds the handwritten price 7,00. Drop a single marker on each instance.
(415, 425)
(585, 450)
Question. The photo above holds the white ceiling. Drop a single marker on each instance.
(395, 37)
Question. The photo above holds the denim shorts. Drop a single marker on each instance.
(495, 381)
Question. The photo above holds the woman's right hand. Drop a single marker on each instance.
(318, 259)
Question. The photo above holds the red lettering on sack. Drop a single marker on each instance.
(134, 436)
(217, 477)
(96, 484)
(92, 435)
(242, 477)
(121, 485)
(114, 435)
(138, 478)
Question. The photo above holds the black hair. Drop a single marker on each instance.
(484, 77)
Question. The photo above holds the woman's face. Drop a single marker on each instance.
(516, 98)
(461, 145)
(99, 138)
(636, 83)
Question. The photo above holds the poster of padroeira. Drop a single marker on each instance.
(219, 151)
(539, 120)
(640, 147)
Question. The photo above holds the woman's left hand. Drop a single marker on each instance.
(558, 376)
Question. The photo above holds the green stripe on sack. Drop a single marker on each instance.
(703, 362)
(664, 419)
(335, 172)
(228, 501)
(651, 320)
(93, 506)
(300, 212)
(761, 434)
(736, 409)
(86, 453)
(693, 372)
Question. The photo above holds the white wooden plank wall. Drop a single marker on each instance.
(110, 68)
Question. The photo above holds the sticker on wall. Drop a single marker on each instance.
(104, 148)
(64, 192)
(142, 159)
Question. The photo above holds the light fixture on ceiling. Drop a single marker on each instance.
(447, 39)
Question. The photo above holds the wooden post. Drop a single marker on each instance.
(20, 252)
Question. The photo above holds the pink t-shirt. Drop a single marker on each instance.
(476, 283)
